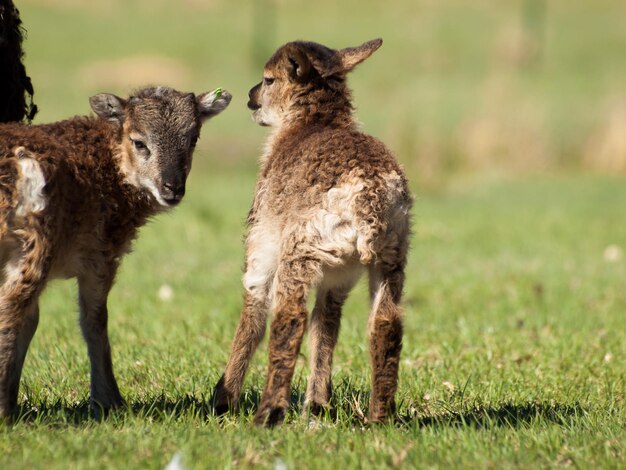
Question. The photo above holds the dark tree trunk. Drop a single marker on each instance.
(16, 89)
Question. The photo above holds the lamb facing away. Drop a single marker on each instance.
(72, 197)
(330, 202)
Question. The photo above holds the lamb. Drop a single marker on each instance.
(72, 196)
(330, 203)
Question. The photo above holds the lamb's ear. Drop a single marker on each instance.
(353, 56)
(108, 106)
(212, 103)
(298, 64)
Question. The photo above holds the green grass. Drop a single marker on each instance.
(513, 354)
(514, 346)
(451, 79)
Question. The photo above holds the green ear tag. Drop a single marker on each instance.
(218, 92)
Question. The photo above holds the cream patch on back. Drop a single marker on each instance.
(343, 235)
(262, 260)
(331, 232)
(30, 185)
(335, 224)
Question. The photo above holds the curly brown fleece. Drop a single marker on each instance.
(70, 206)
(330, 202)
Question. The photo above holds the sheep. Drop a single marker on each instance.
(14, 83)
(330, 202)
(72, 196)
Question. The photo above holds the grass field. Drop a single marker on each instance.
(514, 351)
(513, 356)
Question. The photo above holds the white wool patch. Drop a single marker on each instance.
(268, 148)
(378, 296)
(263, 245)
(150, 186)
(342, 277)
(267, 116)
(10, 264)
(331, 235)
(30, 188)
(129, 168)
(12, 271)
(341, 199)
(339, 225)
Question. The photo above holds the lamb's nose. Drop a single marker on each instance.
(173, 192)
(253, 106)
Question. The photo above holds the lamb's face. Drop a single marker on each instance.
(271, 100)
(299, 76)
(160, 136)
(286, 76)
(160, 128)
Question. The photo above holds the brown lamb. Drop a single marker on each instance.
(330, 203)
(72, 197)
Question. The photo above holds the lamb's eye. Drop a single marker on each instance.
(268, 80)
(138, 144)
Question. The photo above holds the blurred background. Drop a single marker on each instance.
(499, 88)
(510, 119)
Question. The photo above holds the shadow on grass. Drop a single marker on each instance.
(345, 409)
(513, 415)
(157, 408)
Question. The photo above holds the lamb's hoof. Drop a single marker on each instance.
(318, 410)
(220, 400)
(101, 410)
(269, 416)
(382, 418)
(221, 409)
(381, 413)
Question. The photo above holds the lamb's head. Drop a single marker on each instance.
(159, 128)
(306, 79)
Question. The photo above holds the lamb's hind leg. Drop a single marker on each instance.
(323, 333)
(291, 286)
(93, 290)
(25, 274)
(25, 336)
(249, 333)
(385, 332)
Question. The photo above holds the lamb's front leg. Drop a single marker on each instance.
(93, 291)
